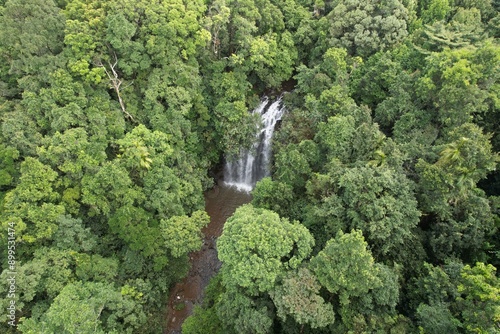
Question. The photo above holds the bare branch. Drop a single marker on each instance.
(116, 82)
(130, 84)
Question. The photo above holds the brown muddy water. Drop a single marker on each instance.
(220, 203)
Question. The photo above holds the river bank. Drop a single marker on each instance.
(220, 203)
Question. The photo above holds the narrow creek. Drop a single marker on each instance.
(220, 203)
(240, 176)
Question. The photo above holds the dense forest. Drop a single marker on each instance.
(381, 214)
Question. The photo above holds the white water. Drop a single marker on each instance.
(253, 164)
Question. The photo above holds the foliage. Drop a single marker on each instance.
(253, 260)
(479, 301)
(343, 259)
(298, 296)
(381, 211)
(363, 27)
(82, 308)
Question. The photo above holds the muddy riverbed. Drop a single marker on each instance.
(220, 204)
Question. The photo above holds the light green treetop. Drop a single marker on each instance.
(257, 246)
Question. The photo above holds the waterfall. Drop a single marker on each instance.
(253, 164)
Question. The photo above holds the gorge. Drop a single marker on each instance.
(240, 176)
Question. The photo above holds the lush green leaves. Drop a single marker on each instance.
(115, 115)
(363, 27)
(182, 234)
(298, 297)
(345, 266)
(479, 301)
(250, 253)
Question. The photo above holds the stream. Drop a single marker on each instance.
(240, 177)
(220, 203)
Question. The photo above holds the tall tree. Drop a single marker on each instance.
(298, 296)
(31, 38)
(257, 246)
(364, 27)
(34, 205)
(357, 285)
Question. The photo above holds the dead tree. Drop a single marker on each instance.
(116, 83)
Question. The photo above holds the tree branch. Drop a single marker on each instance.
(116, 82)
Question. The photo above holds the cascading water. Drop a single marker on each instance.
(253, 164)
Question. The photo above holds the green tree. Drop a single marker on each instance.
(435, 10)
(204, 318)
(19, 130)
(275, 196)
(240, 313)
(345, 266)
(31, 38)
(436, 318)
(298, 296)
(457, 296)
(486, 7)
(364, 293)
(73, 235)
(448, 190)
(72, 154)
(84, 37)
(457, 83)
(292, 166)
(166, 171)
(257, 246)
(469, 155)
(8, 172)
(109, 189)
(372, 81)
(335, 135)
(34, 205)
(95, 268)
(379, 201)
(479, 300)
(137, 228)
(183, 234)
(435, 286)
(202, 321)
(272, 58)
(385, 210)
(39, 279)
(364, 27)
(84, 308)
